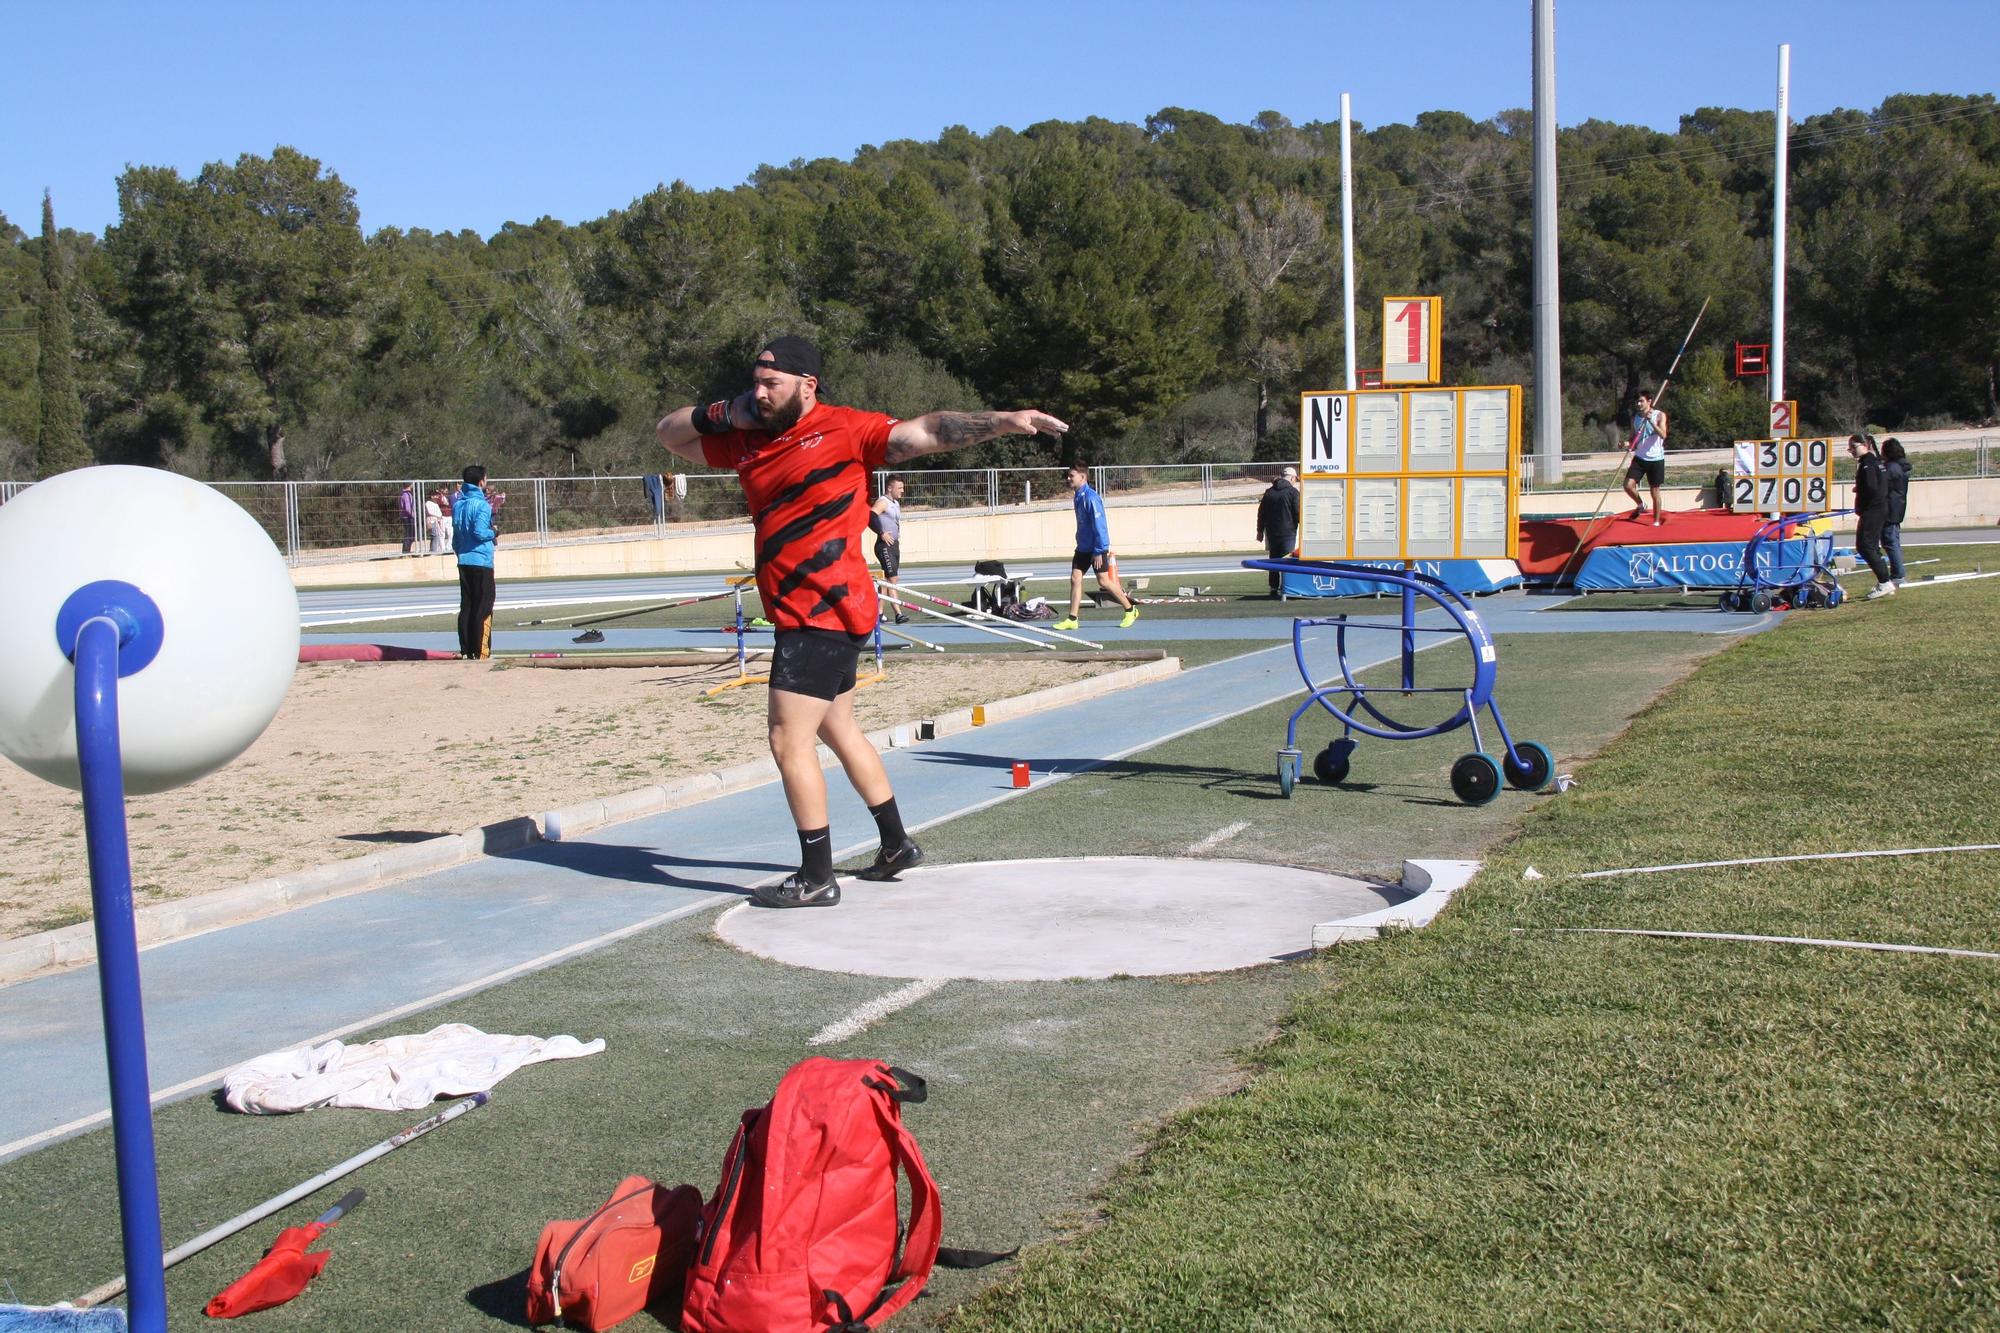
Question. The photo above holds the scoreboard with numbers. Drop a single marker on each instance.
(1788, 475)
(1411, 333)
(1410, 474)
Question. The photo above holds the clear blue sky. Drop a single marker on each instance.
(449, 116)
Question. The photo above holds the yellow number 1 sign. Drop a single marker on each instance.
(1410, 326)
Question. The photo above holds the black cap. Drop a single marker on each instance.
(791, 354)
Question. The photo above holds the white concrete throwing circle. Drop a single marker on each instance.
(1054, 919)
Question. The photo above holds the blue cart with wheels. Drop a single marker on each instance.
(1782, 564)
(1476, 777)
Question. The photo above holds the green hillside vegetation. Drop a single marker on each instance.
(1169, 287)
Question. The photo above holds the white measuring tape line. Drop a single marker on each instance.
(1774, 860)
(1773, 939)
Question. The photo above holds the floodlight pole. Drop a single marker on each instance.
(1347, 230)
(1548, 299)
(1778, 224)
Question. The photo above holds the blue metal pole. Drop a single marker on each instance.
(742, 658)
(1409, 631)
(98, 757)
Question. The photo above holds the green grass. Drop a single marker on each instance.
(1494, 1124)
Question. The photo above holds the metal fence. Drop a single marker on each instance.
(315, 522)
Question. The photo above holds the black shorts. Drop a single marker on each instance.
(1083, 562)
(889, 557)
(818, 662)
(1652, 471)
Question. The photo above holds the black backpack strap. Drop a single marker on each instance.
(915, 1088)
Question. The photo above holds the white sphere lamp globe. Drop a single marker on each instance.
(210, 640)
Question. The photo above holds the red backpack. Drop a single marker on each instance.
(803, 1234)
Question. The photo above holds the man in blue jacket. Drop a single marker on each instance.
(1093, 551)
(472, 537)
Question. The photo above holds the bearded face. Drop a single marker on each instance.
(780, 399)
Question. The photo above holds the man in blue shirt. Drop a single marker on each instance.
(472, 536)
(1093, 551)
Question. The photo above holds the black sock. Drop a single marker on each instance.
(816, 853)
(889, 823)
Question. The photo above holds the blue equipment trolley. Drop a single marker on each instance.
(1476, 777)
(1780, 564)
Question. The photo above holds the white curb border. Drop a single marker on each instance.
(1434, 881)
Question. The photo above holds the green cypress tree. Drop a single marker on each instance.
(61, 446)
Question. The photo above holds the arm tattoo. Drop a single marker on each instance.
(961, 428)
(952, 430)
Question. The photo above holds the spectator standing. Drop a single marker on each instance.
(1896, 464)
(1093, 550)
(1871, 510)
(472, 539)
(439, 526)
(886, 519)
(1278, 523)
(406, 505)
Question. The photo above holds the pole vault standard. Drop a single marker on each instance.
(970, 618)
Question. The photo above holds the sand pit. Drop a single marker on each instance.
(367, 755)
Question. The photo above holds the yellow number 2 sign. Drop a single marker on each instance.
(1410, 326)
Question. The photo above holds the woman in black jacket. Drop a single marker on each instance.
(1871, 510)
(1896, 464)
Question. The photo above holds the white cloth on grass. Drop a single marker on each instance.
(394, 1074)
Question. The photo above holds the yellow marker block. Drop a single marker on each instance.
(979, 715)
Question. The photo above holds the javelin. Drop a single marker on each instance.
(735, 585)
(292, 1195)
(1583, 543)
(896, 592)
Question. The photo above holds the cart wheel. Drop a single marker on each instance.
(1475, 778)
(1760, 601)
(1836, 595)
(1288, 771)
(1535, 768)
(1331, 764)
(1726, 602)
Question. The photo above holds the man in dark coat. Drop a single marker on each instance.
(1871, 511)
(1278, 523)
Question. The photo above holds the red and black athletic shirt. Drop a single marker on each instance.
(808, 493)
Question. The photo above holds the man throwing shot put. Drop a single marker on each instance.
(804, 467)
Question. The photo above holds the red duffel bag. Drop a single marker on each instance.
(629, 1255)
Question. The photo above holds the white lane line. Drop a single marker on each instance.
(877, 1009)
(1217, 838)
(1777, 939)
(1775, 860)
(491, 979)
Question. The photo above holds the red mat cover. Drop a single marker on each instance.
(370, 652)
(1548, 543)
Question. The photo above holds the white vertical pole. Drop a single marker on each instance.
(1547, 287)
(1347, 230)
(1778, 225)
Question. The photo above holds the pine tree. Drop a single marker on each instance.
(61, 446)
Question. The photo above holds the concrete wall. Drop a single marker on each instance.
(1040, 535)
